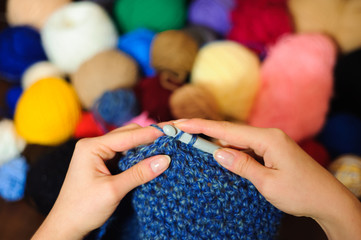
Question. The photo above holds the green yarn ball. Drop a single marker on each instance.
(156, 15)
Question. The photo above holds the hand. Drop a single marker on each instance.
(90, 194)
(289, 179)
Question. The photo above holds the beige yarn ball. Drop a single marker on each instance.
(231, 72)
(31, 12)
(106, 71)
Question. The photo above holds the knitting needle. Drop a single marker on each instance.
(200, 143)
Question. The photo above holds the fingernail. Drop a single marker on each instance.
(180, 120)
(160, 163)
(224, 157)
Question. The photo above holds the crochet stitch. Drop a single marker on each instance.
(195, 198)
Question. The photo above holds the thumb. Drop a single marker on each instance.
(241, 164)
(141, 173)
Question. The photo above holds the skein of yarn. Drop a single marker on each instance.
(106, 71)
(296, 88)
(214, 14)
(77, 32)
(173, 53)
(156, 15)
(20, 47)
(47, 112)
(337, 18)
(11, 144)
(12, 97)
(32, 13)
(230, 72)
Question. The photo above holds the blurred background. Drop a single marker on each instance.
(75, 69)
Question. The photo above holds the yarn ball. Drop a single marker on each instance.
(317, 151)
(197, 198)
(77, 32)
(117, 107)
(106, 4)
(347, 84)
(258, 24)
(341, 134)
(137, 44)
(296, 88)
(33, 13)
(88, 127)
(347, 169)
(201, 34)
(32, 152)
(154, 99)
(337, 18)
(173, 53)
(47, 174)
(192, 101)
(11, 144)
(20, 47)
(214, 14)
(231, 73)
(12, 97)
(13, 178)
(47, 112)
(39, 71)
(106, 71)
(142, 120)
(156, 15)
(4, 87)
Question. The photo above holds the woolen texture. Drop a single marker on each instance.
(296, 85)
(195, 198)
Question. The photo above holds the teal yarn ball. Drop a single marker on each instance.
(156, 15)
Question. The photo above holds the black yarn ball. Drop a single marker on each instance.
(347, 88)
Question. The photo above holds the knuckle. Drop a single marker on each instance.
(138, 174)
(242, 165)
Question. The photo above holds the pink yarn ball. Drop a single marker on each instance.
(296, 85)
(142, 120)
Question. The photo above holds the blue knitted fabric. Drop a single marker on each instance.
(195, 198)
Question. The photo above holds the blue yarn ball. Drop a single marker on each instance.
(13, 178)
(20, 47)
(117, 107)
(137, 44)
(342, 135)
(12, 97)
(195, 198)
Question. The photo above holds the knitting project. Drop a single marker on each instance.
(195, 198)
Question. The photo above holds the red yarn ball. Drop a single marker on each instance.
(88, 127)
(317, 151)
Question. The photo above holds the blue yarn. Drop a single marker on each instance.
(12, 97)
(20, 47)
(195, 198)
(137, 44)
(342, 134)
(117, 107)
(12, 179)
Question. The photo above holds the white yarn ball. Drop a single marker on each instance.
(11, 144)
(39, 71)
(76, 32)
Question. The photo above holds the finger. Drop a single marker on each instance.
(241, 164)
(130, 126)
(141, 173)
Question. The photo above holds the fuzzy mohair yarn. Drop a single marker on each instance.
(296, 85)
(193, 101)
(47, 112)
(337, 18)
(195, 198)
(230, 72)
(11, 144)
(77, 32)
(20, 47)
(214, 14)
(155, 15)
(13, 178)
(106, 71)
(39, 71)
(32, 13)
(137, 44)
(173, 53)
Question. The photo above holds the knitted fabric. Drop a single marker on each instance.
(195, 198)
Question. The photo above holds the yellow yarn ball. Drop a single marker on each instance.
(47, 112)
(231, 72)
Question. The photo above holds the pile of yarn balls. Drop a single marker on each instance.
(75, 69)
